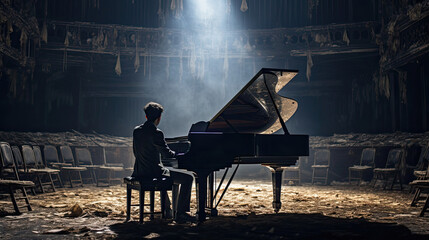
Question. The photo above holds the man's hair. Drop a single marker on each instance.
(153, 111)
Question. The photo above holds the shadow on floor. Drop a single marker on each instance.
(270, 226)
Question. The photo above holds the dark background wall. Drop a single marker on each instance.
(73, 90)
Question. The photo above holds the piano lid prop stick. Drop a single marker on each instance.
(275, 107)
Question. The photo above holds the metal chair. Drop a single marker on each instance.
(322, 158)
(55, 173)
(67, 169)
(22, 169)
(421, 166)
(293, 173)
(13, 184)
(420, 185)
(111, 169)
(84, 159)
(43, 175)
(393, 168)
(366, 163)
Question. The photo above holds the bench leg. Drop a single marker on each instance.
(128, 203)
(152, 204)
(163, 196)
(175, 199)
(141, 206)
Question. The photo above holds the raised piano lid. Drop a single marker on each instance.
(252, 109)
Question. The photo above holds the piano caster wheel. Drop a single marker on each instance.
(213, 212)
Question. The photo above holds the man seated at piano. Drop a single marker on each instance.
(148, 144)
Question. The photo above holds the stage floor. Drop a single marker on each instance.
(308, 212)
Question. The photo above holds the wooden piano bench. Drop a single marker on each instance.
(149, 185)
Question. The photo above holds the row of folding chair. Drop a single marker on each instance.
(395, 164)
(321, 166)
(390, 172)
(44, 172)
(80, 169)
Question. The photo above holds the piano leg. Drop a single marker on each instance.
(211, 189)
(201, 187)
(276, 172)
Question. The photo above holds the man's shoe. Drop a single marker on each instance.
(185, 217)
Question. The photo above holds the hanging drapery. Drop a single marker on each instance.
(137, 59)
(105, 42)
(23, 41)
(311, 4)
(225, 69)
(386, 84)
(8, 32)
(13, 82)
(118, 69)
(149, 66)
(115, 36)
(243, 7)
(192, 61)
(201, 67)
(402, 77)
(181, 67)
(44, 33)
(167, 69)
(346, 37)
(228, 7)
(66, 40)
(173, 5)
(179, 8)
(160, 13)
(309, 65)
(66, 44)
(382, 83)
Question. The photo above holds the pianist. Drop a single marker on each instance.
(148, 144)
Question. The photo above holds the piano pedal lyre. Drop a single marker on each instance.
(212, 199)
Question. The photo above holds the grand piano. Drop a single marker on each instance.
(250, 129)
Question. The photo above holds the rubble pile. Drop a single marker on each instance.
(397, 139)
(75, 138)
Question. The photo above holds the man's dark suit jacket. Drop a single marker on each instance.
(148, 143)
